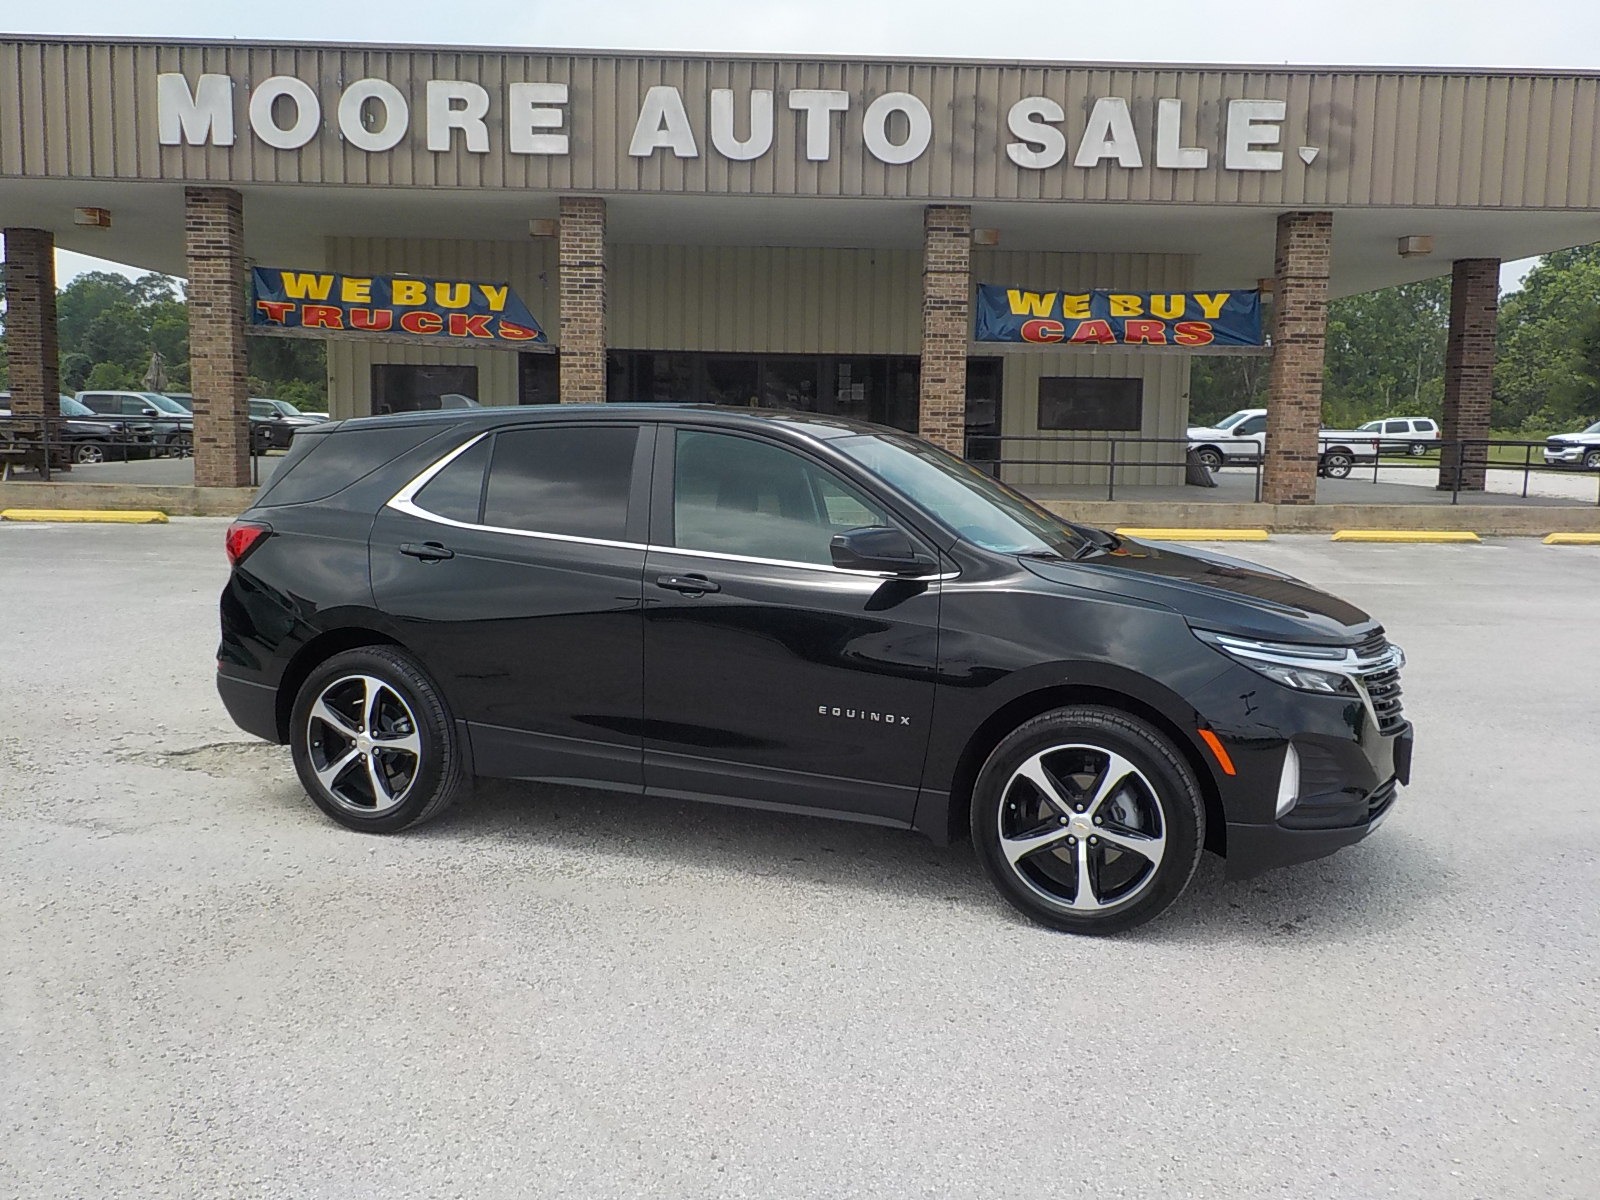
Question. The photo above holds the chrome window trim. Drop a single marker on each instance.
(405, 501)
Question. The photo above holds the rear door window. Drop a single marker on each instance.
(572, 480)
(1397, 427)
(456, 493)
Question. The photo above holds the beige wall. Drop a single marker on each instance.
(788, 300)
(76, 108)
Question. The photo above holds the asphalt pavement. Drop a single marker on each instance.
(209, 990)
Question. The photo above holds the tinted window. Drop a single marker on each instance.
(457, 491)
(132, 406)
(1425, 427)
(319, 465)
(1397, 427)
(100, 404)
(1253, 425)
(734, 495)
(572, 480)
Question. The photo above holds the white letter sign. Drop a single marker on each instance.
(817, 104)
(1253, 123)
(307, 112)
(663, 125)
(206, 115)
(526, 110)
(1169, 153)
(1042, 145)
(396, 115)
(875, 128)
(1109, 135)
(444, 116)
(722, 135)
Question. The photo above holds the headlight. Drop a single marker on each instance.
(1304, 668)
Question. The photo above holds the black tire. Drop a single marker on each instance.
(89, 453)
(1336, 464)
(1159, 791)
(1211, 457)
(431, 784)
(1591, 460)
(1418, 449)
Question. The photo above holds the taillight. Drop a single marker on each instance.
(243, 537)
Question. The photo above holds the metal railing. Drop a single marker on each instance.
(30, 444)
(1454, 461)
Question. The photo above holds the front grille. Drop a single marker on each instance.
(1379, 674)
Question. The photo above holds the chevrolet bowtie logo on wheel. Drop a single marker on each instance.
(861, 714)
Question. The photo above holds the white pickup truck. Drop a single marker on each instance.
(1241, 437)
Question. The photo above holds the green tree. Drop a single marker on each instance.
(1385, 353)
(108, 376)
(1548, 372)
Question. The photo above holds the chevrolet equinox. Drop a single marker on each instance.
(797, 613)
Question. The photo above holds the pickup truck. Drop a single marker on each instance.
(1580, 449)
(1241, 437)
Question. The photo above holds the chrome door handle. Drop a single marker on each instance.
(689, 585)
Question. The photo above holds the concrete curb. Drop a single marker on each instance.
(175, 501)
(1573, 539)
(1412, 536)
(1194, 535)
(122, 516)
(1486, 520)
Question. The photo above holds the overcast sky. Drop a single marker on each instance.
(1470, 33)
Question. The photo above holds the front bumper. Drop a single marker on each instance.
(1568, 457)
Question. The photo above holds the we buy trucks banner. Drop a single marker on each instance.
(1104, 317)
(407, 307)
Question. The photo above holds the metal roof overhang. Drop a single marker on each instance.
(288, 224)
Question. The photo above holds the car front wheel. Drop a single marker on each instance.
(1088, 820)
(373, 742)
(1591, 460)
(1211, 458)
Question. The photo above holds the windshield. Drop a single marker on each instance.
(984, 511)
(184, 402)
(157, 401)
(1234, 418)
(1595, 428)
(284, 407)
(75, 408)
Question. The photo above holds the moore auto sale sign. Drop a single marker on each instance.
(533, 118)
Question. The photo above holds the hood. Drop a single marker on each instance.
(1213, 591)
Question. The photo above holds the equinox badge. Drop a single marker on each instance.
(861, 714)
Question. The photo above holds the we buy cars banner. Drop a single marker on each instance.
(1104, 317)
(403, 307)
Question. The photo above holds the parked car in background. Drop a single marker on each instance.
(172, 426)
(1404, 435)
(1580, 449)
(1241, 438)
(273, 423)
(88, 438)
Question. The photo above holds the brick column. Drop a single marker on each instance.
(1469, 369)
(583, 300)
(213, 228)
(31, 350)
(946, 289)
(1299, 333)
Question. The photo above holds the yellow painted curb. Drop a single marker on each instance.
(1404, 535)
(1197, 535)
(146, 516)
(1573, 539)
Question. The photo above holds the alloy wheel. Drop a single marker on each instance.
(89, 453)
(364, 746)
(1081, 827)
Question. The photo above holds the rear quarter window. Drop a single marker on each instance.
(320, 464)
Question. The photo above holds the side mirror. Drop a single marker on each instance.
(150, 412)
(879, 548)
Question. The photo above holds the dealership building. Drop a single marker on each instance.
(788, 232)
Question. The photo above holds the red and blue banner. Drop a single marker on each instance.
(326, 303)
(1104, 317)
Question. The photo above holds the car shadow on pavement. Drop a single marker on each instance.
(1376, 886)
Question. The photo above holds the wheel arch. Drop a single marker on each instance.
(1022, 708)
(312, 655)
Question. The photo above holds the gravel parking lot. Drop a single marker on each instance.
(207, 989)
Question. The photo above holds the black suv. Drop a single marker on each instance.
(798, 613)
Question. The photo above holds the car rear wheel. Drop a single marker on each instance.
(1088, 820)
(89, 453)
(1418, 449)
(1211, 457)
(1336, 464)
(373, 742)
(1591, 460)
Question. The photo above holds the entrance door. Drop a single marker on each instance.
(523, 596)
(770, 674)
